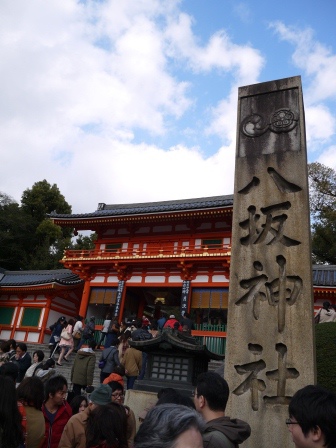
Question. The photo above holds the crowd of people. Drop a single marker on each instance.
(37, 410)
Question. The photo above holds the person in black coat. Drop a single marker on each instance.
(22, 360)
(56, 329)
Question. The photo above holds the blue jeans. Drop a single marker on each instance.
(130, 381)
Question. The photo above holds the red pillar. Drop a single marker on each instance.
(85, 299)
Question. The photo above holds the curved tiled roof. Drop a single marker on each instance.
(153, 207)
(24, 278)
(324, 275)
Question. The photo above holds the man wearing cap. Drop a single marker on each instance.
(173, 323)
(74, 432)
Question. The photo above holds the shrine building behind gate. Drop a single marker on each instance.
(149, 259)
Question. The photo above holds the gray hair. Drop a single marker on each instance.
(164, 423)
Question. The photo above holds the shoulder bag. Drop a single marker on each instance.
(102, 363)
(65, 335)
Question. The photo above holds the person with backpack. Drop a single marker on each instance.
(88, 332)
(108, 361)
(82, 371)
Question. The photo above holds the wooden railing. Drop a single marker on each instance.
(150, 251)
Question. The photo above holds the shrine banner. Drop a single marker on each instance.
(185, 297)
(120, 290)
(270, 345)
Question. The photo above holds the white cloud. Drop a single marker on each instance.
(80, 81)
(328, 157)
(314, 58)
(219, 53)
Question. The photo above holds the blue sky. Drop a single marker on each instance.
(136, 100)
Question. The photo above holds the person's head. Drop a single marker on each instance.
(138, 323)
(56, 390)
(170, 395)
(170, 426)
(119, 370)
(186, 329)
(92, 344)
(125, 336)
(115, 327)
(38, 356)
(61, 320)
(107, 423)
(5, 347)
(100, 396)
(12, 343)
(326, 305)
(71, 322)
(79, 318)
(117, 392)
(30, 392)
(10, 370)
(212, 391)
(108, 316)
(21, 349)
(49, 364)
(78, 404)
(312, 417)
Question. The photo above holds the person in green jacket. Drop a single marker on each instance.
(82, 371)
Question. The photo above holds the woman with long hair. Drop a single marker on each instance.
(11, 431)
(78, 404)
(30, 397)
(106, 427)
(66, 344)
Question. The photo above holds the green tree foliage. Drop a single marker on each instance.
(322, 190)
(28, 239)
(15, 225)
(84, 242)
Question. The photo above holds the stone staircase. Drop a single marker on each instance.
(65, 370)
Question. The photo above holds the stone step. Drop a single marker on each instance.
(65, 370)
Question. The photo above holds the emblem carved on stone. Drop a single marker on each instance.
(282, 120)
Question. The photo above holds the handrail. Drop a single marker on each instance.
(150, 251)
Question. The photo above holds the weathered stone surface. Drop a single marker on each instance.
(139, 401)
(270, 348)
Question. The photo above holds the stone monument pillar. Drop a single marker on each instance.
(270, 350)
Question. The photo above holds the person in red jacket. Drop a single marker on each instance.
(171, 323)
(56, 410)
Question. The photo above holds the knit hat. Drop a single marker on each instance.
(101, 395)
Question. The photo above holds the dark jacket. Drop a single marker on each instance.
(56, 329)
(111, 356)
(53, 432)
(141, 334)
(83, 367)
(23, 364)
(89, 330)
(224, 432)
